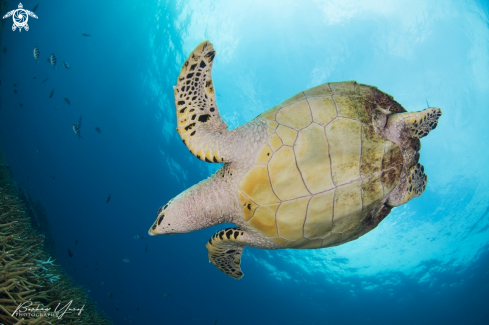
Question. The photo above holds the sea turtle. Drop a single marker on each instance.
(318, 170)
(20, 17)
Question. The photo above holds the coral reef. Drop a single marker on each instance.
(39, 219)
(32, 287)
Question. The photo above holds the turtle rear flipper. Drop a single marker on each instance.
(225, 249)
(198, 121)
(418, 123)
(403, 129)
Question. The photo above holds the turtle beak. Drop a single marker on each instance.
(152, 232)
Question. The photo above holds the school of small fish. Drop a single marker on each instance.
(52, 60)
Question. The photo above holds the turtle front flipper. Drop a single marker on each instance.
(225, 249)
(418, 123)
(417, 180)
(198, 121)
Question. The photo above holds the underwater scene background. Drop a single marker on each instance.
(427, 262)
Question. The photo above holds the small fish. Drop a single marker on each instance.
(98, 130)
(15, 84)
(36, 53)
(107, 199)
(215, 323)
(4, 50)
(70, 254)
(35, 7)
(53, 60)
(52, 177)
(76, 128)
(37, 150)
(109, 295)
(139, 237)
(67, 101)
(56, 107)
(21, 105)
(33, 77)
(45, 79)
(86, 35)
(164, 295)
(15, 91)
(51, 93)
(76, 242)
(49, 60)
(66, 65)
(146, 248)
(126, 260)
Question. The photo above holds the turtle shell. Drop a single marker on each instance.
(322, 177)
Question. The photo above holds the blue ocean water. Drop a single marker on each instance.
(426, 263)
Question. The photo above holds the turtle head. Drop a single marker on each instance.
(201, 206)
(167, 222)
(176, 217)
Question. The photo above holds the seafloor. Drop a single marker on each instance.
(27, 271)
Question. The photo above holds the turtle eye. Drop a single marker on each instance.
(160, 219)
